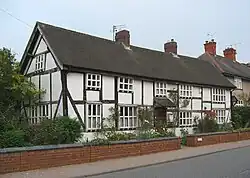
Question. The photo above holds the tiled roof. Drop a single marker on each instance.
(90, 52)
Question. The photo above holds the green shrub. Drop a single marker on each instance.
(240, 117)
(62, 130)
(184, 134)
(207, 124)
(118, 136)
(13, 138)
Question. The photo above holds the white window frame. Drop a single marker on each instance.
(160, 89)
(93, 81)
(238, 82)
(218, 95)
(40, 62)
(240, 103)
(220, 116)
(125, 84)
(37, 113)
(186, 91)
(185, 118)
(128, 117)
(94, 116)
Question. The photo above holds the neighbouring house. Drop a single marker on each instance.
(236, 72)
(85, 75)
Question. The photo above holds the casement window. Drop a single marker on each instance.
(40, 62)
(186, 90)
(38, 113)
(93, 81)
(220, 116)
(160, 89)
(238, 82)
(128, 117)
(93, 117)
(186, 119)
(219, 95)
(240, 103)
(125, 85)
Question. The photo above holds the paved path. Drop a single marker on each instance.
(228, 164)
(82, 170)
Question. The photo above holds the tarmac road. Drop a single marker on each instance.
(227, 164)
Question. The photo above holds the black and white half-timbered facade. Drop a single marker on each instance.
(83, 76)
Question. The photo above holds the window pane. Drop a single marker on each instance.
(126, 80)
(89, 110)
(89, 83)
(89, 122)
(94, 124)
(126, 121)
(93, 77)
(98, 110)
(121, 86)
(94, 109)
(121, 80)
(126, 86)
(126, 111)
(93, 83)
(121, 111)
(98, 84)
(89, 76)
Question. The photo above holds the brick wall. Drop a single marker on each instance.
(23, 159)
(215, 138)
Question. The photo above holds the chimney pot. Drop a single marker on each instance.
(230, 53)
(210, 47)
(123, 36)
(171, 47)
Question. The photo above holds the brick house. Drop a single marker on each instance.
(236, 72)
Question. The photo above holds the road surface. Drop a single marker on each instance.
(228, 164)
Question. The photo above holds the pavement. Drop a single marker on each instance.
(153, 163)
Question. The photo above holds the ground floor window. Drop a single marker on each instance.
(128, 117)
(37, 113)
(220, 116)
(186, 118)
(93, 117)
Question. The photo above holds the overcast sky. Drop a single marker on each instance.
(151, 22)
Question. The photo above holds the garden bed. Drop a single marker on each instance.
(37, 157)
(216, 138)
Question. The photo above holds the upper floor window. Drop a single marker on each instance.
(93, 81)
(93, 117)
(128, 117)
(160, 89)
(125, 84)
(238, 82)
(40, 62)
(186, 119)
(220, 116)
(186, 90)
(219, 95)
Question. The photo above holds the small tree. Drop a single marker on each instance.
(14, 89)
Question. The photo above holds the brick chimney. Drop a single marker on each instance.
(230, 53)
(171, 47)
(210, 47)
(123, 36)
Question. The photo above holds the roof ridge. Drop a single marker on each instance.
(75, 31)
